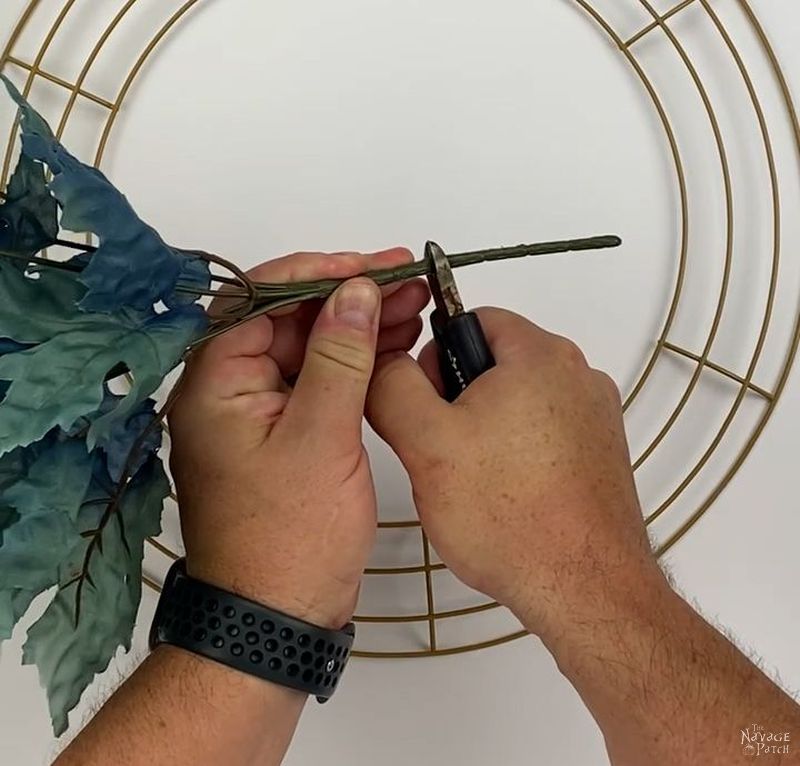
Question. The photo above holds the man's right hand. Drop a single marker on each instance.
(523, 484)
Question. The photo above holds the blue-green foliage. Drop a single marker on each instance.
(60, 380)
(79, 470)
(118, 442)
(133, 267)
(68, 656)
(42, 488)
(28, 217)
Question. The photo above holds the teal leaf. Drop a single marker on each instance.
(33, 310)
(58, 381)
(132, 267)
(28, 216)
(33, 125)
(42, 491)
(8, 516)
(13, 604)
(8, 346)
(46, 498)
(28, 558)
(55, 481)
(13, 465)
(118, 441)
(69, 656)
(168, 336)
(98, 496)
(55, 383)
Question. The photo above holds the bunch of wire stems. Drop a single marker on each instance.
(248, 299)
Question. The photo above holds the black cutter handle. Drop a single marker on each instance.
(464, 353)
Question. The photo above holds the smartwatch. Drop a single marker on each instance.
(249, 637)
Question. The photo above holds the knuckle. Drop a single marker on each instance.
(251, 370)
(229, 377)
(420, 459)
(222, 372)
(262, 370)
(343, 354)
(570, 352)
(284, 268)
(608, 384)
(266, 406)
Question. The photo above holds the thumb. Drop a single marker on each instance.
(340, 354)
(404, 407)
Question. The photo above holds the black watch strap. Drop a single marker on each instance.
(249, 637)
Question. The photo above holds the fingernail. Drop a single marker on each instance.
(356, 304)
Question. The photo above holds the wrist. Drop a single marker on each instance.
(249, 691)
(592, 611)
(329, 606)
(619, 618)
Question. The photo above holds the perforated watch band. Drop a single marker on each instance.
(249, 637)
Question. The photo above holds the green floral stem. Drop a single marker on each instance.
(273, 296)
(270, 296)
(324, 287)
(76, 245)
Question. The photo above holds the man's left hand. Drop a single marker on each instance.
(276, 497)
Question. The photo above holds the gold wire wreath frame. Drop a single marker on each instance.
(701, 359)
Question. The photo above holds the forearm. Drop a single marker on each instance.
(664, 686)
(183, 709)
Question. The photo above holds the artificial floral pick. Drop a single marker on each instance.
(81, 483)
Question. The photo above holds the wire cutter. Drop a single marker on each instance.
(464, 353)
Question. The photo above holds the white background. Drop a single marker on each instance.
(262, 128)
